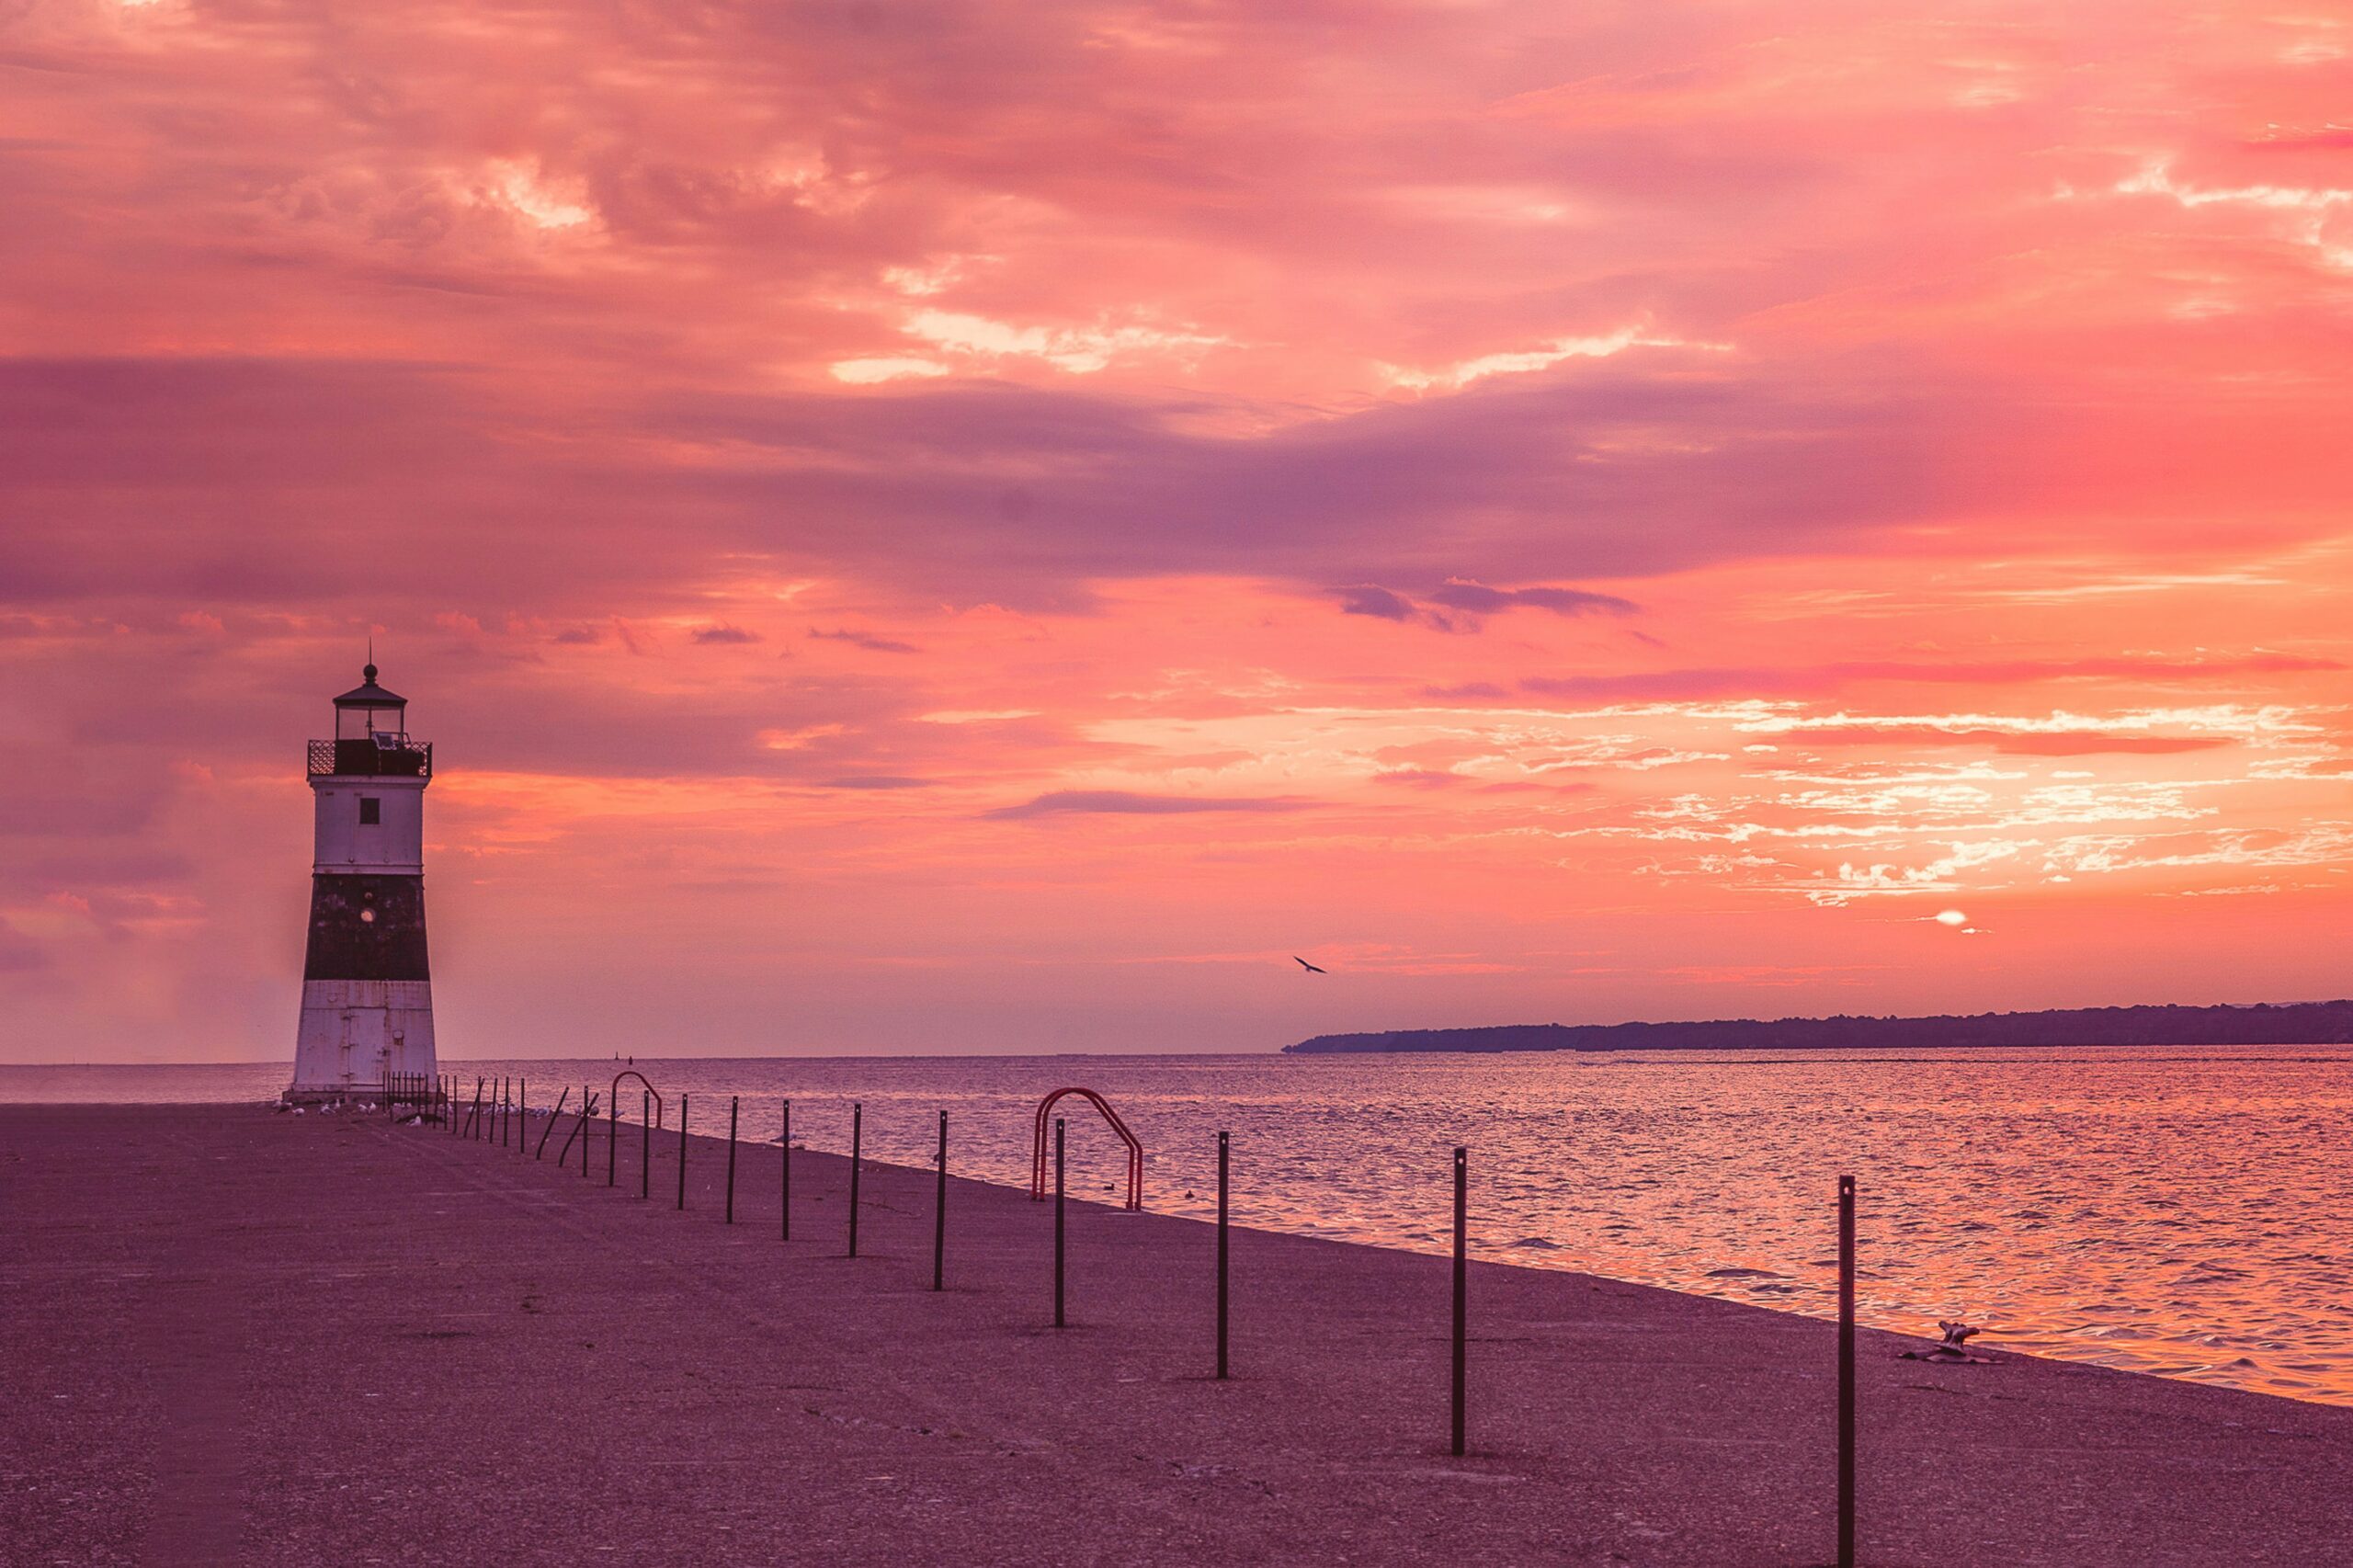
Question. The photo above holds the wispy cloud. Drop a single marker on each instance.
(1125, 803)
(872, 643)
(1456, 604)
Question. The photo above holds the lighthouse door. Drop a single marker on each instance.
(364, 1044)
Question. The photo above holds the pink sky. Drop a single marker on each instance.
(938, 527)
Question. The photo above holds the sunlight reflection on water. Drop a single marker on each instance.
(2179, 1211)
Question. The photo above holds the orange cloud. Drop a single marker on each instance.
(1019, 498)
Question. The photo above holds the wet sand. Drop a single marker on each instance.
(237, 1336)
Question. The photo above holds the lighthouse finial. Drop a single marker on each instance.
(368, 672)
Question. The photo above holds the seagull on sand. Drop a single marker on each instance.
(1305, 965)
(1954, 1346)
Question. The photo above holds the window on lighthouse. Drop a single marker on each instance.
(370, 810)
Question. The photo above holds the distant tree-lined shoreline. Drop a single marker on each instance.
(2290, 1023)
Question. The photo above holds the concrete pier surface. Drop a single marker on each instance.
(229, 1336)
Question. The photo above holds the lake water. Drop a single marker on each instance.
(2184, 1211)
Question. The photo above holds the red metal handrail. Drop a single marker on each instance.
(1037, 1155)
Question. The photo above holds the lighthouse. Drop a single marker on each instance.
(366, 991)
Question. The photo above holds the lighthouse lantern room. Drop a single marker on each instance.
(366, 990)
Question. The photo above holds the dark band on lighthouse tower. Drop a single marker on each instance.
(366, 990)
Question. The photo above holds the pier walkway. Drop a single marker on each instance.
(232, 1337)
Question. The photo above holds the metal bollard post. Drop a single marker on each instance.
(1461, 1284)
(732, 1102)
(579, 1134)
(645, 1144)
(1058, 1221)
(522, 1113)
(1222, 1168)
(784, 1203)
(682, 1154)
(1846, 1371)
(857, 1134)
(613, 1141)
(553, 1116)
(587, 1129)
(939, 1215)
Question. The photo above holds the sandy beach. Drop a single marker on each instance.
(240, 1336)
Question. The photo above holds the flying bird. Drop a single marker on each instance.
(1305, 965)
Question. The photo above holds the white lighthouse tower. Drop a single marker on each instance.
(367, 991)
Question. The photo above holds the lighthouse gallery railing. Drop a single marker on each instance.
(377, 757)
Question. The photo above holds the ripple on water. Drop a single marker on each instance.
(2158, 1209)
